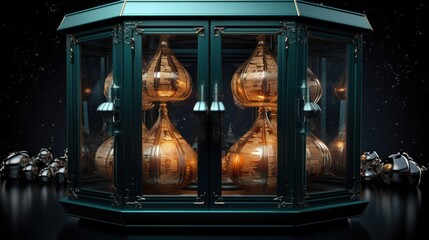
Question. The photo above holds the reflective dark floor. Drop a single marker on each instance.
(30, 210)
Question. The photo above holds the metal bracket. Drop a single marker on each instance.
(136, 203)
(285, 29)
(199, 31)
(139, 30)
(218, 199)
(358, 46)
(302, 197)
(217, 109)
(71, 41)
(117, 198)
(201, 109)
(200, 200)
(286, 201)
(72, 191)
(129, 29)
(282, 202)
(218, 31)
(282, 29)
(116, 34)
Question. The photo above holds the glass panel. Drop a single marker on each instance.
(169, 87)
(249, 88)
(326, 139)
(96, 77)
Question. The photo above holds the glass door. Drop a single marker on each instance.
(209, 112)
(326, 142)
(244, 84)
(174, 77)
(94, 68)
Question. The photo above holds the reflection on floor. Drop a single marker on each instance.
(30, 210)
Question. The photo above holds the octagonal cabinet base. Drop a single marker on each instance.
(142, 218)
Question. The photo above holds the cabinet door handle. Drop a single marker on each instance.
(201, 109)
(216, 111)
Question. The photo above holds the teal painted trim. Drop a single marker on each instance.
(127, 109)
(315, 31)
(94, 34)
(246, 31)
(203, 78)
(77, 111)
(288, 99)
(172, 24)
(132, 72)
(117, 69)
(248, 28)
(237, 8)
(73, 126)
(282, 163)
(91, 15)
(354, 117)
(209, 8)
(302, 123)
(170, 27)
(350, 115)
(215, 40)
(248, 24)
(334, 15)
(284, 217)
(137, 166)
(179, 31)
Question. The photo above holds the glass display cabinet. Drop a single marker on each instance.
(214, 113)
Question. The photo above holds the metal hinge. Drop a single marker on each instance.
(200, 199)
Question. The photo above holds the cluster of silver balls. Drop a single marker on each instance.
(398, 169)
(43, 166)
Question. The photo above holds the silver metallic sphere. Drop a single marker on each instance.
(14, 163)
(55, 165)
(370, 166)
(400, 169)
(1, 170)
(30, 171)
(415, 173)
(45, 156)
(46, 174)
(61, 175)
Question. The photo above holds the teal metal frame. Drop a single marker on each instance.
(126, 22)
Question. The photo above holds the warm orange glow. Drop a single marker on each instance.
(169, 162)
(165, 78)
(340, 88)
(387, 167)
(338, 148)
(104, 159)
(314, 86)
(254, 83)
(318, 158)
(87, 91)
(253, 157)
(340, 145)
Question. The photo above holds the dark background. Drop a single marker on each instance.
(395, 76)
(33, 116)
